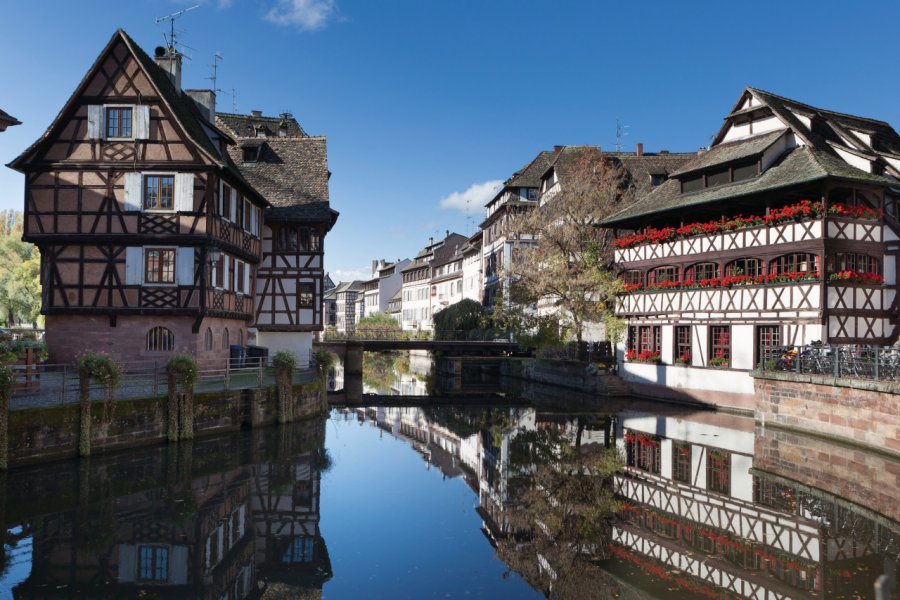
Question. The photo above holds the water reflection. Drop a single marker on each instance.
(710, 504)
(706, 505)
(189, 521)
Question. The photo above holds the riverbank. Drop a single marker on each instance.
(47, 433)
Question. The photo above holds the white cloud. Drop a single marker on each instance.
(306, 15)
(225, 3)
(351, 274)
(473, 198)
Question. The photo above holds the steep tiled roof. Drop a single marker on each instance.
(801, 165)
(448, 251)
(729, 152)
(247, 126)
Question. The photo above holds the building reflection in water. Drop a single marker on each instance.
(224, 519)
(711, 504)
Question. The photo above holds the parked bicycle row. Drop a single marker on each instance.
(853, 361)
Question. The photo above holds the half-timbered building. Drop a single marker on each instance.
(784, 231)
(149, 235)
(290, 169)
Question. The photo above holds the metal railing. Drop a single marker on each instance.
(850, 361)
(395, 335)
(54, 384)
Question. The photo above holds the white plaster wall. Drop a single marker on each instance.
(683, 429)
(665, 458)
(742, 345)
(777, 149)
(699, 337)
(741, 479)
(723, 380)
(853, 160)
(667, 351)
(299, 343)
(768, 124)
(698, 467)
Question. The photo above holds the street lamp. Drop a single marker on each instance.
(213, 255)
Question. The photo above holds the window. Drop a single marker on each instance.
(306, 294)
(159, 265)
(663, 274)
(852, 261)
(225, 202)
(715, 178)
(240, 339)
(118, 122)
(248, 220)
(681, 462)
(633, 277)
(159, 191)
(718, 471)
(658, 179)
(720, 345)
(642, 451)
(752, 267)
(768, 338)
(219, 272)
(798, 262)
(299, 550)
(160, 339)
(683, 344)
(745, 171)
(153, 563)
(239, 280)
(702, 271)
(251, 154)
(225, 342)
(208, 339)
(649, 338)
(692, 184)
(239, 211)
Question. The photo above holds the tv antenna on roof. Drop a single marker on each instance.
(215, 68)
(620, 133)
(170, 41)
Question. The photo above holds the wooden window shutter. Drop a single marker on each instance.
(133, 199)
(254, 221)
(184, 266)
(141, 122)
(233, 206)
(179, 564)
(184, 192)
(134, 265)
(95, 121)
(226, 274)
(247, 278)
(127, 563)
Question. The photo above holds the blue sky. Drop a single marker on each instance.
(430, 100)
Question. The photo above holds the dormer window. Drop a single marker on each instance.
(251, 154)
(658, 179)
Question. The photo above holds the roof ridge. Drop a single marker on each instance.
(817, 109)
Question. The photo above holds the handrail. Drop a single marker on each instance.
(874, 363)
(395, 335)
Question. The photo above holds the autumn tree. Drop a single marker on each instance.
(561, 257)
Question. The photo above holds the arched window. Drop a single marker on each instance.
(798, 262)
(208, 339)
(751, 267)
(240, 340)
(225, 342)
(633, 277)
(853, 261)
(160, 339)
(701, 271)
(663, 274)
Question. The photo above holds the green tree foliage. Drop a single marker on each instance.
(377, 324)
(464, 317)
(20, 273)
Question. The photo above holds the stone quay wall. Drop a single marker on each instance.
(841, 470)
(569, 374)
(866, 413)
(48, 433)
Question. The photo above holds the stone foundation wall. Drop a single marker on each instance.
(865, 413)
(41, 434)
(570, 374)
(845, 471)
(70, 335)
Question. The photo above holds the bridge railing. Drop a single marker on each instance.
(850, 361)
(394, 335)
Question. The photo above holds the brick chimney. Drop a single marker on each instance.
(640, 149)
(169, 60)
(558, 149)
(256, 113)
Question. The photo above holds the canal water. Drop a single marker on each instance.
(428, 492)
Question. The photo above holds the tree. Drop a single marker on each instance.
(377, 325)
(461, 318)
(569, 266)
(20, 272)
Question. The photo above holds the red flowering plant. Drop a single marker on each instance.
(683, 359)
(805, 209)
(851, 276)
(854, 211)
(737, 280)
(644, 356)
